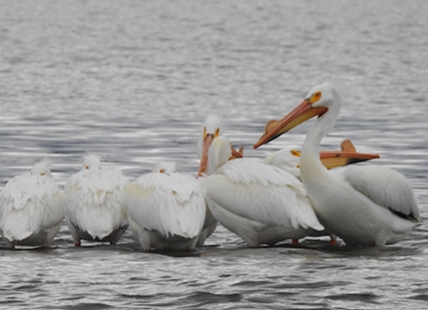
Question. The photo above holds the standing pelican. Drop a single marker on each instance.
(94, 197)
(289, 160)
(261, 203)
(367, 205)
(166, 210)
(211, 129)
(32, 208)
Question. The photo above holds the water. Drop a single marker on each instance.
(133, 81)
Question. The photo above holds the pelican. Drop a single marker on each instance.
(289, 160)
(365, 205)
(32, 208)
(211, 129)
(260, 203)
(166, 209)
(94, 208)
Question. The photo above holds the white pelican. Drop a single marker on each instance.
(166, 210)
(32, 208)
(211, 129)
(289, 160)
(261, 203)
(94, 202)
(367, 205)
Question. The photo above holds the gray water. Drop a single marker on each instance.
(134, 80)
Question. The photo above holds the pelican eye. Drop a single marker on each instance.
(162, 171)
(86, 167)
(42, 174)
(315, 97)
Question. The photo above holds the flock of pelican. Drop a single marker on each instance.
(289, 196)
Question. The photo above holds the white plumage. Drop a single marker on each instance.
(289, 160)
(94, 196)
(32, 208)
(166, 211)
(261, 203)
(285, 160)
(367, 205)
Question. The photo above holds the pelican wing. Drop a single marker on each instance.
(95, 199)
(170, 204)
(28, 204)
(385, 187)
(262, 193)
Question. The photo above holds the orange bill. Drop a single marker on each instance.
(301, 113)
(203, 165)
(332, 159)
(347, 156)
(237, 154)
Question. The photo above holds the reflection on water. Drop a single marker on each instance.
(133, 82)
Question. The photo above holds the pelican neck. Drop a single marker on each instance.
(310, 163)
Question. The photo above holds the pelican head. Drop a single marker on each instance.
(211, 126)
(42, 168)
(219, 152)
(286, 159)
(91, 162)
(318, 101)
(165, 167)
(210, 130)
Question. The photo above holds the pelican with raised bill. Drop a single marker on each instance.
(166, 209)
(94, 203)
(364, 205)
(260, 203)
(32, 208)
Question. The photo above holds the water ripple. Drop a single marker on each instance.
(134, 81)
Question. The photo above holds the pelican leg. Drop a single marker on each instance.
(333, 239)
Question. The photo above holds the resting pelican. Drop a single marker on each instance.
(166, 210)
(367, 205)
(94, 197)
(261, 203)
(32, 208)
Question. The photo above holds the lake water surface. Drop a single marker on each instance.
(134, 80)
